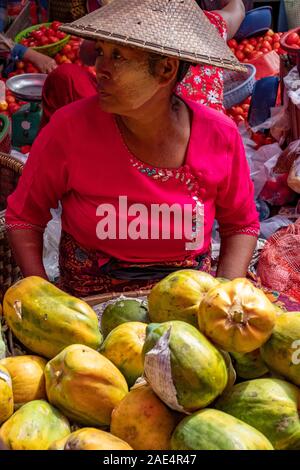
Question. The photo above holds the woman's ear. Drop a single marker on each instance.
(167, 69)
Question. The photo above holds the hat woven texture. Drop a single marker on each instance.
(176, 28)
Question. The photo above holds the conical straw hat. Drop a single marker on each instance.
(176, 28)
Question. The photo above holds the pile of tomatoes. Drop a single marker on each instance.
(252, 48)
(239, 113)
(44, 36)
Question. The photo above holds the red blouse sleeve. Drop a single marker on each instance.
(44, 180)
(236, 211)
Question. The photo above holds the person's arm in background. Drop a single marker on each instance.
(233, 14)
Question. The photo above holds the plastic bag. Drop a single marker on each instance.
(270, 226)
(292, 86)
(293, 180)
(276, 191)
(51, 245)
(279, 124)
(267, 65)
(287, 157)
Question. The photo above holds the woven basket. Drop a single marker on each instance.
(10, 170)
(49, 49)
(238, 86)
(67, 10)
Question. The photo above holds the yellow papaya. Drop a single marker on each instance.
(90, 439)
(27, 375)
(46, 319)
(123, 347)
(34, 427)
(6, 395)
(84, 385)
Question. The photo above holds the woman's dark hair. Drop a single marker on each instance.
(182, 69)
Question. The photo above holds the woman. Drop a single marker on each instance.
(141, 174)
(202, 84)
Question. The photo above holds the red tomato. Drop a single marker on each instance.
(36, 34)
(67, 48)
(245, 42)
(253, 42)
(245, 107)
(60, 35)
(71, 56)
(10, 99)
(276, 37)
(55, 25)
(276, 46)
(292, 39)
(32, 44)
(270, 33)
(50, 32)
(239, 119)
(240, 55)
(25, 148)
(236, 110)
(267, 45)
(52, 39)
(43, 41)
(265, 50)
(232, 43)
(248, 49)
(13, 107)
(20, 64)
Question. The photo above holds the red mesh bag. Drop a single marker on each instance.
(279, 263)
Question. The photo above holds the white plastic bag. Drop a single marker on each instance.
(271, 225)
(52, 236)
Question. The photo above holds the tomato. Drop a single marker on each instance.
(60, 35)
(20, 64)
(253, 42)
(270, 33)
(25, 148)
(276, 46)
(276, 37)
(239, 119)
(292, 39)
(32, 44)
(71, 56)
(267, 45)
(55, 25)
(36, 34)
(240, 55)
(13, 107)
(10, 99)
(67, 48)
(43, 41)
(248, 49)
(236, 110)
(265, 50)
(50, 32)
(232, 43)
(52, 39)
(245, 107)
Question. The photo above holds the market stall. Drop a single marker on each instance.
(196, 362)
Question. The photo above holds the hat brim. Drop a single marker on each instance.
(174, 28)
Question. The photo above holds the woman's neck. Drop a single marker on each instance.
(153, 120)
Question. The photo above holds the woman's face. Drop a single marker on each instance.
(124, 81)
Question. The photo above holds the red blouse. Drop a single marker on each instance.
(80, 159)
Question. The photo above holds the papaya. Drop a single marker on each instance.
(84, 385)
(269, 405)
(281, 352)
(122, 311)
(184, 369)
(249, 365)
(178, 296)
(90, 439)
(237, 316)
(46, 320)
(123, 347)
(6, 395)
(215, 430)
(28, 380)
(143, 420)
(34, 427)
